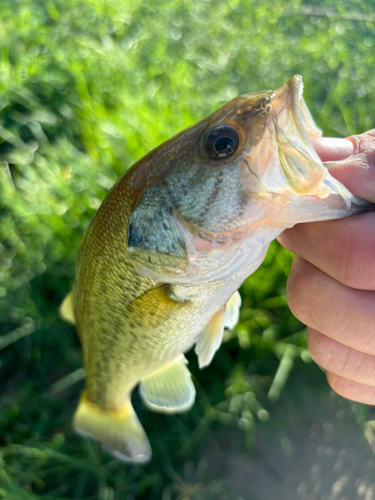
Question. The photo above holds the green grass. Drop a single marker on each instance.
(86, 88)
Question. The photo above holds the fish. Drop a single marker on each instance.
(159, 267)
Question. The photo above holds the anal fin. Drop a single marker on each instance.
(118, 430)
(169, 389)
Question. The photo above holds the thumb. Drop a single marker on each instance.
(356, 170)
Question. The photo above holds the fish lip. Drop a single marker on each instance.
(291, 126)
(295, 86)
(291, 91)
(289, 96)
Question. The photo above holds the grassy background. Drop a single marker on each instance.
(86, 88)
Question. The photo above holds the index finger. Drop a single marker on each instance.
(343, 249)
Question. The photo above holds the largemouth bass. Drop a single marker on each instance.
(159, 267)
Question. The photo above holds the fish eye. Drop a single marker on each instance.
(220, 142)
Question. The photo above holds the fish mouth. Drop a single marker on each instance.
(293, 127)
(292, 112)
(287, 167)
(300, 164)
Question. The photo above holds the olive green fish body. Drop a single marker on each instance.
(160, 264)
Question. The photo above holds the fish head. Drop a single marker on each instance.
(227, 186)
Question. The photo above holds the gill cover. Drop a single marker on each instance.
(153, 233)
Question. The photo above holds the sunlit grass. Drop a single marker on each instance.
(86, 88)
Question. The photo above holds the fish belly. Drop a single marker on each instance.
(154, 329)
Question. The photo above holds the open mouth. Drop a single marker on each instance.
(293, 127)
(290, 97)
(299, 162)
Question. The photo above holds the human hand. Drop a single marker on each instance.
(331, 287)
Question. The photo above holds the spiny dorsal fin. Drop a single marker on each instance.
(169, 389)
(66, 309)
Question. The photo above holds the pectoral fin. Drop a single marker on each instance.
(169, 389)
(232, 311)
(66, 309)
(210, 338)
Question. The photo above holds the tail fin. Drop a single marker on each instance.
(119, 431)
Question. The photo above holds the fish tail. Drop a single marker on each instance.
(119, 431)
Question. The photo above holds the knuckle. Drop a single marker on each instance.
(357, 270)
(342, 386)
(334, 384)
(352, 267)
(364, 370)
(297, 290)
(320, 347)
(344, 365)
(349, 389)
(285, 239)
